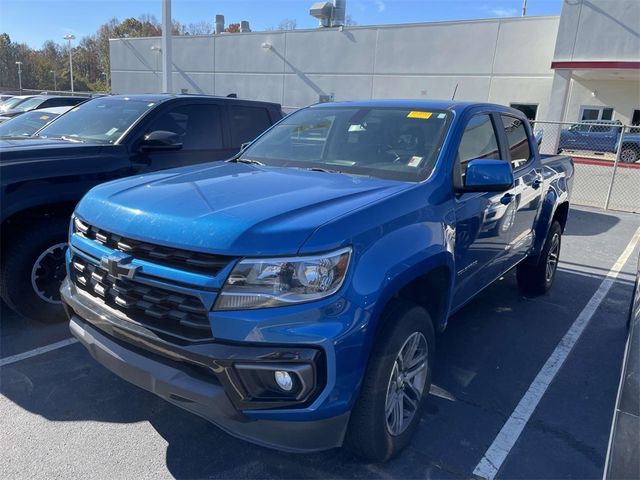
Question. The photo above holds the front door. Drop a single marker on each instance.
(484, 220)
(199, 127)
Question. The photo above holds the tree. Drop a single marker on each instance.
(91, 64)
(146, 26)
(288, 24)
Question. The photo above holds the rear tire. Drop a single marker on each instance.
(33, 269)
(395, 386)
(537, 278)
(629, 153)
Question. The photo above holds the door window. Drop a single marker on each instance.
(635, 121)
(478, 141)
(518, 141)
(197, 125)
(247, 123)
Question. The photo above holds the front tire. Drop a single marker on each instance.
(33, 269)
(537, 278)
(395, 386)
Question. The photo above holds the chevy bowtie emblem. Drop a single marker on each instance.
(117, 264)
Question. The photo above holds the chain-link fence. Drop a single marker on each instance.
(607, 160)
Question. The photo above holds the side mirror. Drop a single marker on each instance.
(160, 140)
(488, 176)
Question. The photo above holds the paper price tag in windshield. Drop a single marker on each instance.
(420, 115)
(414, 161)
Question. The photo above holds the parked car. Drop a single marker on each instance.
(30, 122)
(291, 294)
(5, 97)
(103, 139)
(601, 136)
(622, 456)
(13, 102)
(40, 101)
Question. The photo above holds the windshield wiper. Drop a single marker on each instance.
(248, 161)
(71, 139)
(319, 169)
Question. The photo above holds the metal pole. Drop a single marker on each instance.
(70, 37)
(166, 47)
(19, 76)
(524, 8)
(615, 167)
(71, 66)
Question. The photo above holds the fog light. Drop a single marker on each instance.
(284, 380)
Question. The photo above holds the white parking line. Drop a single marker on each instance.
(510, 432)
(36, 351)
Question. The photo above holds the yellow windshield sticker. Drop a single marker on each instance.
(422, 115)
(44, 117)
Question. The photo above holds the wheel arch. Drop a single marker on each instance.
(34, 213)
(418, 285)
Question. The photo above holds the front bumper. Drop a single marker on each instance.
(197, 378)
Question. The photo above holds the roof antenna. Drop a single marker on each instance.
(453, 97)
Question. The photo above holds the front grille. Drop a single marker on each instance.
(158, 309)
(196, 262)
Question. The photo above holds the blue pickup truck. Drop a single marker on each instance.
(601, 136)
(291, 294)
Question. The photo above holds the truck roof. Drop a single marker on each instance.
(453, 105)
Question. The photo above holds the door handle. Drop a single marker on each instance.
(506, 199)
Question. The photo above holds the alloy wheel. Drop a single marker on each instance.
(48, 272)
(406, 383)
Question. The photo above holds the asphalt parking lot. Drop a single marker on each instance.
(62, 414)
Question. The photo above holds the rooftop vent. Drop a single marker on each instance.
(219, 24)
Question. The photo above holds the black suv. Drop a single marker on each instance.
(43, 177)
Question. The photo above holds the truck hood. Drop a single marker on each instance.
(20, 149)
(229, 208)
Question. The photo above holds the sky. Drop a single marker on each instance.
(35, 21)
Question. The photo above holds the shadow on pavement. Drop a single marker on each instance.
(588, 222)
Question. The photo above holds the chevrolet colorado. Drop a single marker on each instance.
(42, 178)
(290, 295)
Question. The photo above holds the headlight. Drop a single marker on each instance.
(273, 282)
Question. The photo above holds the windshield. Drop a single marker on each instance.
(29, 104)
(12, 102)
(26, 124)
(101, 120)
(388, 143)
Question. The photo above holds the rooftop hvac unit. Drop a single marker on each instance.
(219, 24)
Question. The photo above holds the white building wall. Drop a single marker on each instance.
(488, 60)
(599, 30)
(622, 95)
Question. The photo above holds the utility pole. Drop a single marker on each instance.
(55, 83)
(70, 37)
(524, 8)
(19, 76)
(166, 47)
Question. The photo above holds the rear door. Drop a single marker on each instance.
(603, 138)
(246, 122)
(528, 182)
(484, 220)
